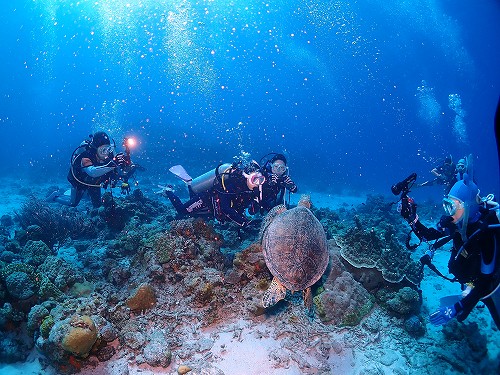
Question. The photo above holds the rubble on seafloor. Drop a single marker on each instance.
(171, 295)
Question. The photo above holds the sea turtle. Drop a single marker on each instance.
(295, 251)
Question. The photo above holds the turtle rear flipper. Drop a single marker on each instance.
(275, 293)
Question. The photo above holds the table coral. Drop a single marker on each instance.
(365, 249)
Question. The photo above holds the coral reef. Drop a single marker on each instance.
(20, 285)
(63, 274)
(189, 241)
(403, 302)
(23, 282)
(161, 293)
(68, 340)
(78, 335)
(248, 264)
(155, 352)
(12, 350)
(35, 252)
(415, 326)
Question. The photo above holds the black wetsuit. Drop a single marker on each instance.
(273, 191)
(478, 262)
(225, 201)
(82, 182)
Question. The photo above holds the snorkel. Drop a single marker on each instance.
(254, 177)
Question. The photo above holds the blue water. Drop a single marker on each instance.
(357, 94)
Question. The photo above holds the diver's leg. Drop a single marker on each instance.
(69, 200)
(176, 202)
(95, 196)
(494, 309)
(192, 194)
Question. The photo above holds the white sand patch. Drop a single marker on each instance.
(32, 366)
(13, 195)
(246, 350)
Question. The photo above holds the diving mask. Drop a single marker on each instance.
(278, 168)
(105, 151)
(256, 178)
(453, 207)
(461, 166)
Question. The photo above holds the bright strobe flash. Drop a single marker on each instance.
(129, 142)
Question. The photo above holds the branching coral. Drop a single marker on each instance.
(56, 224)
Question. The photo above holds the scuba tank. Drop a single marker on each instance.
(206, 181)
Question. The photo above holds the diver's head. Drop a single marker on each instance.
(254, 180)
(102, 144)
(461, 200)
(448, 160)
(278, 164)
(253, 175)
(461, 166)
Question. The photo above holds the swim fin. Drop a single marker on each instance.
(180, 172)
(449, 300)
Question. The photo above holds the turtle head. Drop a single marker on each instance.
(305, 201)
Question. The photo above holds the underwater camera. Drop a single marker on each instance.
(128, 143)
(404, 186)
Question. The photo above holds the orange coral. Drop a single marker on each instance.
(142, 299)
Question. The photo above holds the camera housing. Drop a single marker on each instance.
(404, 186)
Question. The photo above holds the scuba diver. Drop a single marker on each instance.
(93, 164)
(472, 223)
(448, 173)
(445, 174)
(275, 170)
(223, 194)
(461, 169)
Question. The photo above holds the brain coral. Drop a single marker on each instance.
(345, 303)
(76, 335)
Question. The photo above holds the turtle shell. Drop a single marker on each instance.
(295, 249)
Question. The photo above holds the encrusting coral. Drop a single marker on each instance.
(143, 298)
(35, 252)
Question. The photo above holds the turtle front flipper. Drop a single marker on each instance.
(308, 300)
(276, 292)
